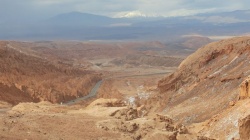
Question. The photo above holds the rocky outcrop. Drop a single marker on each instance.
(125, 114)
(160, 127)
(206, 81)
(245, 89)
(244, 128)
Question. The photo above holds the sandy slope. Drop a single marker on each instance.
(48, 121)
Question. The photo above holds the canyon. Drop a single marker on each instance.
(125, 90)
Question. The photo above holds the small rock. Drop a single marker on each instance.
(232, 103)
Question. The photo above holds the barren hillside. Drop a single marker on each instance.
(195, 41)
(150, 60)
(207, 80)
(25, 77)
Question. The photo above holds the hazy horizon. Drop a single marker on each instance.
(42, 9)
(52, 19)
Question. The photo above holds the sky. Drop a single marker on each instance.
(37, 9)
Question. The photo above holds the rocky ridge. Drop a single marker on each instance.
(207, 80)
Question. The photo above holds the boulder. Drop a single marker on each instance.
(125, 114)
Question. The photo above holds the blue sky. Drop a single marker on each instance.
(15, 9)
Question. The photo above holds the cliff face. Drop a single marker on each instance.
(207, 80)
(25, 77)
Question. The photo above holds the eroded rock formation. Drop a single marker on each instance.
(244, 128)
(244, 89)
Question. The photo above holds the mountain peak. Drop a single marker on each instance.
(78, 19)
(134, 14)
(77, 14)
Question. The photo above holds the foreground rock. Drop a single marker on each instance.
(128, 123)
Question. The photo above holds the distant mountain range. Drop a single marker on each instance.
(85, 26)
